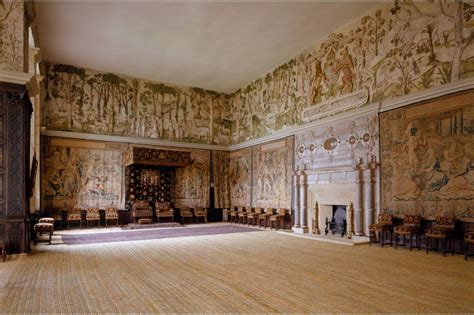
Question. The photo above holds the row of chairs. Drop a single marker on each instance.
(195, 214)
(92, 215)
(258, 216)
(142, 210)
(442, 231)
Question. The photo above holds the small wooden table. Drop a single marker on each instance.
(3, 247)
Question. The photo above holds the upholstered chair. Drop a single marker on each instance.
(185, 213)
(226, 214)
(264, 217)
(409, 229)
(141, 209)
(111, 214)
(383, 228)
(243, 215)
(57, 215)
(92, 214)
(278, 218)
(468, 241)
(442, 231)
(74, 215)
(200, 213)
(234, 215)
(253, 217)
(164, 211)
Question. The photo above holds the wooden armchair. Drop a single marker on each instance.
(253, 217)
(185, 213)
(111, 214)
(92, 214)
(410, 229)
(74, 215)
(277, 218)
(383, 228)
(141, 209)
(163, 211)
(243, 215)
(265, 217)
(234, 215)
(443, 231)
(200, 212)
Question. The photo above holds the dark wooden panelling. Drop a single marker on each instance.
(15, 114)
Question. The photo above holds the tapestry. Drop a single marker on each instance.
(152, 183)
(192, 182)
(80, 177)
(428, 157)
(221, 168)
(240, 177)
(11, 35)
(398, 48)
(272, 174)
(88, 101)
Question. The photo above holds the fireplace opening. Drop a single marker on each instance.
(337, 224)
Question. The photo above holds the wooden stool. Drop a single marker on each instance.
(144, 221)
(46, 220)
(43, 228)
(3, 247)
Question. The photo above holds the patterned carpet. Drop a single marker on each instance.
(240, 272)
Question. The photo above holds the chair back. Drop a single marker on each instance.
(74, 214)
(185, 210)
(445, 221)
(412, 220)
(111, 213)
(385, 218)
(199, 211)
(140, 205)
(258, 210)
(111, 210)
(162, 206)
(269, 210)
(281, 211)
(92, 213)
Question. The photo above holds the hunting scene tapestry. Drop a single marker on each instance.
(272, 174)
(240, 177)
(428, 157)
(81, 177)
(192, 182)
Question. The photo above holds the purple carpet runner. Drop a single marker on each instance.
(149, 234)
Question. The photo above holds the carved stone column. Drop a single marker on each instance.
(370, 194)
(359, 206)
(316, 219)
(304, 201)
(296, 189)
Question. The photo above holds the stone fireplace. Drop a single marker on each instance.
(336, 165)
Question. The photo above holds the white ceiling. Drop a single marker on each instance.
(217, 46)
